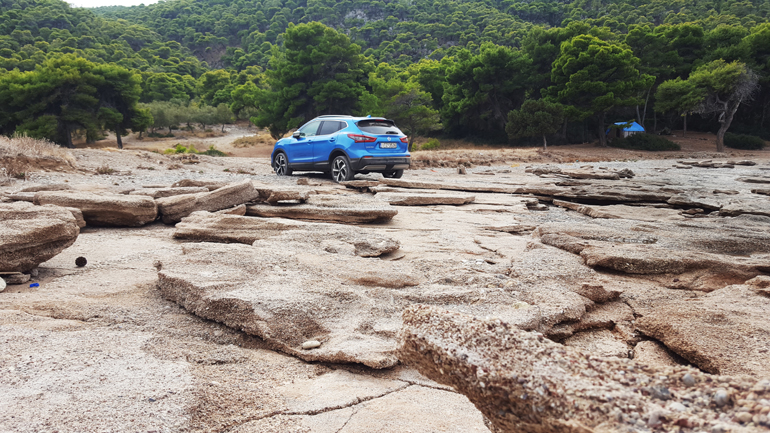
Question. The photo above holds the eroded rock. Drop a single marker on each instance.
(104, 209)
(30, 235)
(424, 199)
(173, 209)
(523, 382)
(348, 209)
(723, 332)
(168, 192)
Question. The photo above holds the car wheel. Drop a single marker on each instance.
(341, 170)
(395, 174)
(281, 165)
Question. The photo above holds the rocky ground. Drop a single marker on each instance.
(277, 304)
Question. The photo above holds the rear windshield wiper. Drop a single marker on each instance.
(392, 132)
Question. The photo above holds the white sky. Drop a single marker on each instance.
(97, 3)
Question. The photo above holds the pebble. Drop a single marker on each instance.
(721, 397)
(2, 284)
(688, 379)
(311, 344)
(677, 407)
(743, 417)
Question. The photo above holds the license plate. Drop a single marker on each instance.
(388, 145)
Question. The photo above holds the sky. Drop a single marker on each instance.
(97, 3)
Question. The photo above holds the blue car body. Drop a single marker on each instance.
(368, 144)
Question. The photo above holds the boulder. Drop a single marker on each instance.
(424, 199)
(104, 210)
(346, 209)
(723, 332)
(168, 192)
(173, 209)
(208, 227)
(30, 235)
(525, 383)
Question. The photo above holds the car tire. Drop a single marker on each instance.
(395, 174)
(281, 165)
(341, 169)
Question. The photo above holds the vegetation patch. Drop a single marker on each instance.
(648, 142)
(181, 149)
(743, 141)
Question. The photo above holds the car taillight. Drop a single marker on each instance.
(361, 138)
(405, 139)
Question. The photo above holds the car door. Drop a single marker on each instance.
(325, 142)
(300, 149)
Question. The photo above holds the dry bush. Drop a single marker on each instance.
(105, 170)
(261, 138)
(21, 154)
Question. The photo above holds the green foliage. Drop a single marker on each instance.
(211, 151)
(181, 149)
(745, 142)
(318, 71)
(432, 144)
(649, 142)
(536, 118)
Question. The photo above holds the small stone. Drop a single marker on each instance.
(660, 392)
(688, 380)
(744, 417)
(80, 262)
(302, 181)
(520, 305)
(461, 169)
(2, 284)
(35, 272)
(151, 400)
(311, 344)
(721, 398)
(676, 407)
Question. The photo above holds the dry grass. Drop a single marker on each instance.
(20, 154)
(261, 138)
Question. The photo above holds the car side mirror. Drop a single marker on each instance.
(296, 134)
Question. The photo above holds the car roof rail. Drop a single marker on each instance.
(334, 115)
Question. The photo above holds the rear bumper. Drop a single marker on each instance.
(381, 163)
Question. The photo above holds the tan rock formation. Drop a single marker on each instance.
(104, 210)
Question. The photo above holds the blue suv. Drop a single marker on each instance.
(344, 146)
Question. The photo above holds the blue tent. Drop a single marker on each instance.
(630, 128)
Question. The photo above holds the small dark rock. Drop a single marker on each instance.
(80, 262)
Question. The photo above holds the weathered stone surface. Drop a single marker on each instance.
(15, 277)
(471, 187)
(599, 342)
(348, 209)
(603, 194)
(723, 332)
(30, 235)
(513, 228)
(525, 383)
(747, 207)
(168, 192)
(597, 293)
(275, 195)
(47, 187)
(173, 209)
(704, 255)
(590, 174)
(424, 199)
(754, 179)
(654, 354)
(620, 211)
(104, 210)
(2, 284)
(702, 201)
(22, 196)
(359, 184)
(761, 191)
(77, 213)
(207, 183)
(237, 210)
(208, 227)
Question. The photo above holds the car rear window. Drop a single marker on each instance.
(378, 127)
(331, 126)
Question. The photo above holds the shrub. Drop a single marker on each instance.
(742, 141)
(105, 170)
(159, 135)
(432, 144)
(653, 143)
(213, 152)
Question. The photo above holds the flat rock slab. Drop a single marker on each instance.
(629, 192)
(208, 227)
(724, 332)
(754, 179)
(763, 191)
(479, 187)
(424, 199)
(210, 184)
(168, 192)
(343, 209)
(275, 195)
(523, 382)
(104, 210)
(173, 209)
(30, 235)
(619, 211)
(703, 255)
(746, 207)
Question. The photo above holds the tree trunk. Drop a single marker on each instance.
(223, 128)
(411, 140)
(602, 135)
(68, 136)
(117, 134)
(564, 131)
(545, 144)
(684, 131)
(726, 121)
(654, 122)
